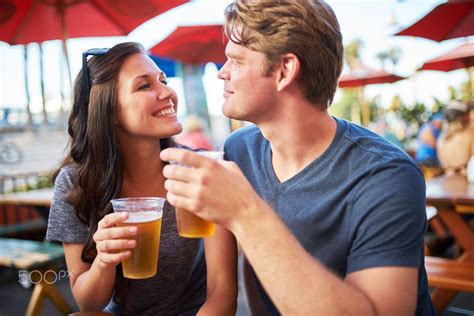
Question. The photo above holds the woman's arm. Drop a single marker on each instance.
(221, 265)
(92, 284)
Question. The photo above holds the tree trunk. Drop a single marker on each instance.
(27, 92)
(194, 91)
(45, 113)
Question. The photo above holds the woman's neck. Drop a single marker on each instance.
(142, 168)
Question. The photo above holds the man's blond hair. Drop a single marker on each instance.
(307, 28)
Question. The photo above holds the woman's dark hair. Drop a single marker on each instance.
(93, 148)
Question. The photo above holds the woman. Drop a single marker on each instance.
(123, 115)
(456, 143)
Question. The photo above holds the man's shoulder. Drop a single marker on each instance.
(245, 132)
(245, 136)
(245, 146)
(370, 144)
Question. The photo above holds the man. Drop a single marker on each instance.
(330, 216)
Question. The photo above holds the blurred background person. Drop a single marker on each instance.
(455, 144)
(381, 128)
(194, 134)
(426, 154)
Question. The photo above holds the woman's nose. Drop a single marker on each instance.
(165, 92)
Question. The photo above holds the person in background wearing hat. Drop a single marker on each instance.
(426, 154)
(456, 143)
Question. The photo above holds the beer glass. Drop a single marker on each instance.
(145, 214)
(190, 225)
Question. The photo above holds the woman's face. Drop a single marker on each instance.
(146, 106)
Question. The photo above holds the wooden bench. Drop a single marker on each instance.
(450, 274)
(18, 221)
(42, 258)
(31, 226)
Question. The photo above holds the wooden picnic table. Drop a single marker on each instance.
(39, 199)
(453, 196)
(28, 256)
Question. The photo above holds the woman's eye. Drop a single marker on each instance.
(144, 86)
(164, 81)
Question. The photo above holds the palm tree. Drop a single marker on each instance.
(352, 53)
(393, 55)
(382, 57)
(29, 125)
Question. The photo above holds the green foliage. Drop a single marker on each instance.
(31, 182)
(352, 52)
(417, 114)
(393, 55)
(343, 108)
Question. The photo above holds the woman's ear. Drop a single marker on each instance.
(288, 71)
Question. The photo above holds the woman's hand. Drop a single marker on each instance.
(114, 243)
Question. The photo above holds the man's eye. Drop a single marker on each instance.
(164, 81)
(144, 86)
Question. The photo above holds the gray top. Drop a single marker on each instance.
(178, 288)
(361, 204)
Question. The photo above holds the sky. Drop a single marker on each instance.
(370, 21)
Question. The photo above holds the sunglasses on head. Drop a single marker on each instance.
(85, 71)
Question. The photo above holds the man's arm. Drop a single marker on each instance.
(300, 285)
(297, 283)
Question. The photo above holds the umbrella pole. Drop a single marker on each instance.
(364, 108)
(194, 92)
(68, 66)
(45, 113)
(27, 92)
(61, 8)
(470, 72)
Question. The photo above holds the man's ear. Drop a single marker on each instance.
(288, 70)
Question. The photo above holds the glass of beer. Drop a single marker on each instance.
(145, 214)
(190, 225)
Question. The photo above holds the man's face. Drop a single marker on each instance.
(249, 94)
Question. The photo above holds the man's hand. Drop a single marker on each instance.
(214, 190)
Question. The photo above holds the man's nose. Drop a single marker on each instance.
(223, 73)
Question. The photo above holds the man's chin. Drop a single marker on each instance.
(229, 112)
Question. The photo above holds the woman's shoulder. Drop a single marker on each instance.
(66, 175)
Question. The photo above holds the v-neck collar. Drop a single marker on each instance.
(312, 168)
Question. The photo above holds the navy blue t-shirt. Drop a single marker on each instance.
(360, 205)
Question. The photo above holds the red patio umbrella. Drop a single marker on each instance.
(26, 21)
(360, 76)
(196, 44)
(460, 57)
(448, 20)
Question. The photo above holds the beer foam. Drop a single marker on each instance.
(143, 216)
(218, 155)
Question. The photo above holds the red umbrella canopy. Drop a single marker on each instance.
(461, 57)
(448, 20)
(362, 76)
(197, 44)
(26, 21)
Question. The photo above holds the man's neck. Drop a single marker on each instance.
(302, 134)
